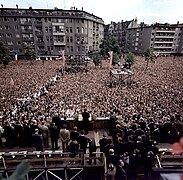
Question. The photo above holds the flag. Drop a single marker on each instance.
(16, 57)
(63, 57)
(111, 57)
(12, 82)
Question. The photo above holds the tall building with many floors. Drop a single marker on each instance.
(164, 39)
(49, 31)
(119, 31)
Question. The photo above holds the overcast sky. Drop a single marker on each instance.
(149, 11)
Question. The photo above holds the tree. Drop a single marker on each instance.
(104, 48)
(149, 56)
(130, 59)
(115, 59)
(97, 59)
(108, 45)
(30, 52)
(4, 51)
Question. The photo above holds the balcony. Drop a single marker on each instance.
(26, 23)
(39, 33)
(59, 43)
(40, 42)
(27, 31)
(58, 33)
(28, 39)
(163, 42)
(162, 47)
(164, 36)
(162, 52)
(38, 23)
(165, 31)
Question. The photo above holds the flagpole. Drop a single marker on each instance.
(110, 66)
(111, 57)
(63, 61)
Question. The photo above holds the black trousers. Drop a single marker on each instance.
(54, 143)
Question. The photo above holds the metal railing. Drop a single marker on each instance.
(49, 163)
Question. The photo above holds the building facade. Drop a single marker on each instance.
(162, 38)
(119, 32)
(50, 31)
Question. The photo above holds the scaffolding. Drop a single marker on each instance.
(52, 164)
(121, 77)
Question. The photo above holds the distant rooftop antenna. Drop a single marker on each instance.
(72, 7)
(47, 4)
(64, 4)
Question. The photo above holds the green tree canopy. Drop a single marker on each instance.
(130, 59)
(115, 59)
(97, 59)
(149, 56)
(29, 52)
(108, 45)
(4, 51)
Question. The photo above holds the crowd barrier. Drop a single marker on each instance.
(169, 160)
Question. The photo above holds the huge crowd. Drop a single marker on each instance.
(33, 97)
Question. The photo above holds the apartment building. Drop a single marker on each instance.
(119, 32)
(49, 31)
(162, 38)
(167, 38)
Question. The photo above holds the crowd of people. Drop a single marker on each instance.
(33, 98)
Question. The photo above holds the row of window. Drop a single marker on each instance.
(78, 48)
(58, 29)
(50, 29)
(24, 20)
(7, 27)
(11, 43)
(78, 30)
(8, 35)
(58, 39)
(7, 19)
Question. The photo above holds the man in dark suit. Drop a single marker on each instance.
(85, 124)
(74, 134)
(56, 119)
(8, 134)
(27, 134)
(83, 142)
(92, 150)
(19, 134)
(54, 134)
(103, 142)
(38, 140)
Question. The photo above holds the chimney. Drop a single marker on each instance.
(82, 8)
